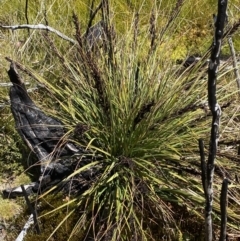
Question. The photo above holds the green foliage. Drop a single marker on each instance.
(143, 116)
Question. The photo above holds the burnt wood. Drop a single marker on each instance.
(43, 134)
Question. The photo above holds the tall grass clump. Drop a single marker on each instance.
(139, 117)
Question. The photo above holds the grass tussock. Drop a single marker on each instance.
(140, 117)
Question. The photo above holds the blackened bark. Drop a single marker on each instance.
(216, 112)
(203, 166)
(32, 210)
(43, 134)
(223, 206)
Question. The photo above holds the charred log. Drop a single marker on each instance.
(42, 134)
(45, 136)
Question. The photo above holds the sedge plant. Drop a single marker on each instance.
(139, 117)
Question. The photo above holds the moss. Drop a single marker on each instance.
(22, 179)
(49, 222)
(9, 209)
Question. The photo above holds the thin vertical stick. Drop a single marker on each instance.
(223, 206)
(26, 14)
(32, 210)
(216, 113)
(203, 166)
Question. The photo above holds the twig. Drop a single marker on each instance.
(10, 84)
(203, 165)
(235, 67)
(223, 206)
(216, 113)
(32, 210)
(31, 220)
(92, 15)
(25, 228)
(26, 14)
(40, 27)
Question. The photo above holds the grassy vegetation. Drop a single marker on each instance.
(144, 116)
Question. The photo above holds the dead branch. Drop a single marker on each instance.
(39, 27)
(208, 168)
(223, 206)
(25, 228)
(10, 84)
(32, 210)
